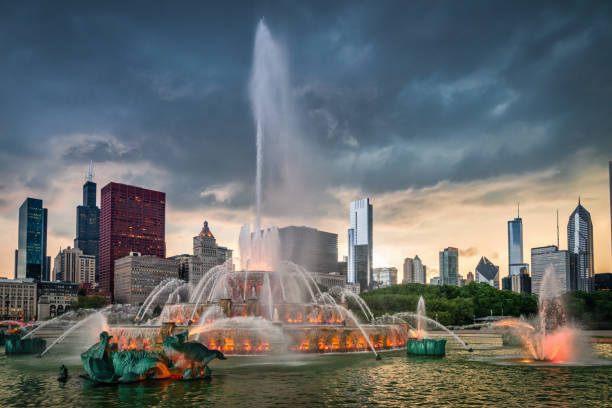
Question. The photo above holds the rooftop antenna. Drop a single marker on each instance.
(518, 210)
(90, 174)
(557, 228)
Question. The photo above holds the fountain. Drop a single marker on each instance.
(549, 337)
(422, 346)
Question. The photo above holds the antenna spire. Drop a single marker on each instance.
(90, 173)
(518, 210)
(557, 228)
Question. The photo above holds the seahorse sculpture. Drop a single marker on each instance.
(191, 357)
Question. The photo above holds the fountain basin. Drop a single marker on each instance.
(15, 345)
(426, 347)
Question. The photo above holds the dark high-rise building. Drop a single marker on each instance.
(88, 223)
(449, 266)
(610, 182)
(580, 243)
(132, 219)
(315, 250)
(31, 257)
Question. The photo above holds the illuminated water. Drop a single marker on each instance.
(481, 378)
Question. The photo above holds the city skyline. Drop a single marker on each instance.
(444, 142)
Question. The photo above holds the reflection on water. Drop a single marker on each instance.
(460, 379)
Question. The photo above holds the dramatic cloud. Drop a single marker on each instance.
(445, 114)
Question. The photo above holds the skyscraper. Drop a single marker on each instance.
(360, 243)
(408, 270)
(487, 272)
(88, 224)
(560, 263)
(610, 189)
(515, 246)
(449, 266)
(31, 258)
(419, 271)
(315, 250)
(132, 219)
(580, 243)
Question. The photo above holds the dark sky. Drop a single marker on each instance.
(394, 98)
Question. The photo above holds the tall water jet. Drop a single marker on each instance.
(550, 337)
(421, 323)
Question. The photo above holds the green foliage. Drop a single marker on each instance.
(593, 311)
(89, 302)
(451, 304)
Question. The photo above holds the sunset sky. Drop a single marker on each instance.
(445, 114)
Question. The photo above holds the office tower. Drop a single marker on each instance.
(408, 271)
(520, 283)
(315, 250)
(206, 255)
(132, 219)
(385, 276)
(469, 278)
(137, 275)
(88, 224)
(360, 243)
(72, 265)
(580, 243)
(560, 263)
(419, 271)
(487, 272)
(449, 266)
(515, 246)
(31, 258)
(610, 189)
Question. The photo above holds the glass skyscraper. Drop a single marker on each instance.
(360, 243)
(449, 266)
(31, 257)
(515, 246)
(580, 243)
(560, 263)
(88, 224)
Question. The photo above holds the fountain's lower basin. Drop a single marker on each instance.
(271, 338)
(426, 347)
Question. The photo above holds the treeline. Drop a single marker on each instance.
(89, 302)
(452, 305)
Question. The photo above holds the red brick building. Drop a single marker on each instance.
(131, 219)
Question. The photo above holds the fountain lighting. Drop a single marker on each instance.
(549, 337)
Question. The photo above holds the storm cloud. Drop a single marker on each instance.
(394, 98)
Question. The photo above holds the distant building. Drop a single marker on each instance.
(360, 244)
(603, 281)
(206, 255)
(561, 263)
(353, 287)
(610, 189)
(315, 250)
(55, 298)
(462, 281)
(18, 299)
(329, 280)
(507, 283)
(580, 243)
(449, 266)
(137, 275)
(419, 271)
(88, 224)
(408, 270)
(515, 246)
(132, 219)
(521, 283)
(385, 276)
(343, 268)
(31, 257)
(72, 265)
(469, 278)
(183, 265)
(435, 281)
(487, 272)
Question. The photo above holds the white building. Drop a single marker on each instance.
(137, 275)
(360, 243)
